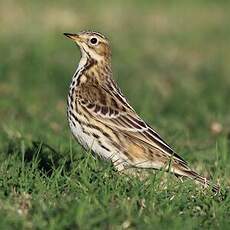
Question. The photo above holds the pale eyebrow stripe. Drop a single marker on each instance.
(100, 35)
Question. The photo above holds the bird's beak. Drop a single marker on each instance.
(74, 37)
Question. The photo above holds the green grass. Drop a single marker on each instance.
(170, 58)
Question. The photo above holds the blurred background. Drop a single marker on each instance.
(170, 58)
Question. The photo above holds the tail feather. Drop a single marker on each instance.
(204, 181)
(189, 173)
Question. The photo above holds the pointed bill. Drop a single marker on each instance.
(74, 37)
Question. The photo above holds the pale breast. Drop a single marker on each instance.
(90, 138)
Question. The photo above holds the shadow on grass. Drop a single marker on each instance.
(46, 157)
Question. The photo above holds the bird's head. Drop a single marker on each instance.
(92, 45)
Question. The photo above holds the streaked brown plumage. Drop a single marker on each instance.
(102, 120)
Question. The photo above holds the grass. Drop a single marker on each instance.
(170, 59)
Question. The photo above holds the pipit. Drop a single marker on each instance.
(102, 120)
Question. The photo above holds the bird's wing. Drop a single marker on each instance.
(110, 107)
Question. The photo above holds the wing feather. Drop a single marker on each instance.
(121, 116)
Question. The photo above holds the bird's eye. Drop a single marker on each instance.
(93, 41)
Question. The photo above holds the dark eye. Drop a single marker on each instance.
(93, 40)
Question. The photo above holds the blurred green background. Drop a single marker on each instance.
(170, 58)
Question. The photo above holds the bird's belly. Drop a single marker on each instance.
(84, 139)
(89, 142)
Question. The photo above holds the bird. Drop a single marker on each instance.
(102, 120)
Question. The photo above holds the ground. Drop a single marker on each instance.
(171, 60)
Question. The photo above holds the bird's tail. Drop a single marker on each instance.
(185, 171)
